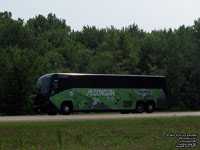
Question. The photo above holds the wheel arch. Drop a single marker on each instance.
(140, 101)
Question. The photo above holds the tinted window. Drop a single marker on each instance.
(43, 85)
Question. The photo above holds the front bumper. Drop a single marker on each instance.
(43, 106)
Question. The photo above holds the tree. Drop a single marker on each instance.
(19, 74)
(55, 60)
(90, 37)
(13, 32)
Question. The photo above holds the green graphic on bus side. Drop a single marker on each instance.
(105, 98)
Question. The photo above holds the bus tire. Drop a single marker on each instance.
(139, 107)
(150, 107)
(66, 109)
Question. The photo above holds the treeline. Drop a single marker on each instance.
(47, 44)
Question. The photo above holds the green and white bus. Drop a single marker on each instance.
(72, 92)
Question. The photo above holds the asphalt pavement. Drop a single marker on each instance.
(94, 116)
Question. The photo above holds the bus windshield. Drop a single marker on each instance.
(43, 85)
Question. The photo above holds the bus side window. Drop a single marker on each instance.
(54, 88)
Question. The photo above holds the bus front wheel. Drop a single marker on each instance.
(66, 109)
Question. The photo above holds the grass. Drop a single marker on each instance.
(119, 134)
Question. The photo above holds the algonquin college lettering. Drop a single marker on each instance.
(101, 92)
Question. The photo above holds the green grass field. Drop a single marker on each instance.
(122, 134)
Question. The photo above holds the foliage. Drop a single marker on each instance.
(46, 44)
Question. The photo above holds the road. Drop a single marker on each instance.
(94, 116)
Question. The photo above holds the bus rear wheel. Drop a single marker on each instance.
(150, 108)
(66, 109)
(139, 107)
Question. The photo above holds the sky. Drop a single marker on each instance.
(147, 14)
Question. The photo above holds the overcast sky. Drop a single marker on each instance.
(147, 14)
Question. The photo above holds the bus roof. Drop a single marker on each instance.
(119, 75)
(103, 75)
(100, 75)
(47, 75)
